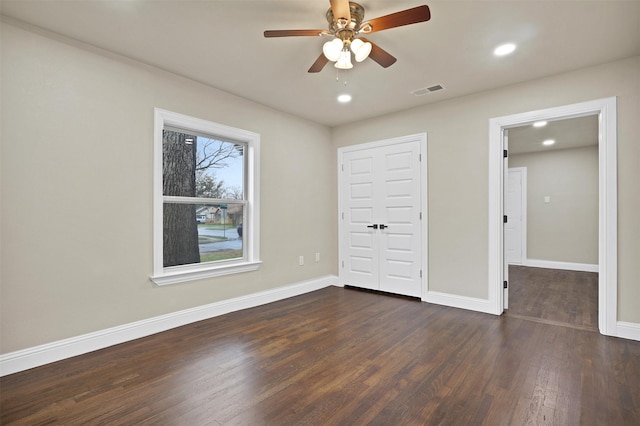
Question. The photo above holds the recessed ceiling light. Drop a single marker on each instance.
(539, 124)
(504, 49)
(343, 99)
(548, 142)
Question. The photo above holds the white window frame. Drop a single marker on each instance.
(251, 261)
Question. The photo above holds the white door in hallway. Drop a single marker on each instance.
(515, 210)
(381, 203)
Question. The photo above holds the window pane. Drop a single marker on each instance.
(202, 233)
(219, 169)
(197, 166)
(178, 164)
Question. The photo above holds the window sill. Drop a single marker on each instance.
(180, 276)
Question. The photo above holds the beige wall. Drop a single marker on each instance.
(566, 228)
(77, 145)
(458, 170)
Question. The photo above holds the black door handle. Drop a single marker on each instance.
(374, 226)
(382, 226)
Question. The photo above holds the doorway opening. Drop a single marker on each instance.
(551, 193)
(605, 109)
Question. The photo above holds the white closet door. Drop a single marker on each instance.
(399, 203)
(361, 243)
(381, 199)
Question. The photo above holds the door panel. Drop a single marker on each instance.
(513, 210)
(361, 247)
(382, 186)
(361, 215)
(362, 191)
(400, 202)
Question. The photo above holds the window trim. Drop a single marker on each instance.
(182, 273)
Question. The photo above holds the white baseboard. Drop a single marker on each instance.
(624, 330)
(568, 266)
(455, 301)
(628, 330)
(25, 359)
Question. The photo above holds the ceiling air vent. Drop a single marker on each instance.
(425, 90)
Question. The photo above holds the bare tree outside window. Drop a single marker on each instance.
(179, 179)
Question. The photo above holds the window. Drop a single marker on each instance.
(206, 210)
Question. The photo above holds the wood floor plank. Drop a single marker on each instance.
(342, 356)
(556, 296)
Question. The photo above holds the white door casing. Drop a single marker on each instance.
(607, 201)
(382, 220)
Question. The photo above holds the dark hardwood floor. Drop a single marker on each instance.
(560, 297)
(341, 356)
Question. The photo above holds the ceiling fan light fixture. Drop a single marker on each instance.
(344, 62)
(345, 21)
(332, 49)
(360, 49)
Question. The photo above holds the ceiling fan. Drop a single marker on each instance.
(346, 25)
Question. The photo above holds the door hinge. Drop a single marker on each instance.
(420, 215)
(420, 157)
(504, 284)
(504, 219)
(420, 273)
(342, 167)
(342, 215)
(343, 263)
(505, 153)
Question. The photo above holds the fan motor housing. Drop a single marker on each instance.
(346, 31)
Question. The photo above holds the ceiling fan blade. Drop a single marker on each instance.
(319, 63)
(381, 56)
(340, 9)
(293, 33)
(398, 19)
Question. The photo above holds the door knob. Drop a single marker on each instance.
(374, 226)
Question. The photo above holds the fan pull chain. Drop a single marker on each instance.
(338, 77)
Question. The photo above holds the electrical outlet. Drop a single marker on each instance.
(301, 260)
(317, 257)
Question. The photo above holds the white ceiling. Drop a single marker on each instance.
(220, 43)
(568, 133)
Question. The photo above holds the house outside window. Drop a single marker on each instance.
(206, 199)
